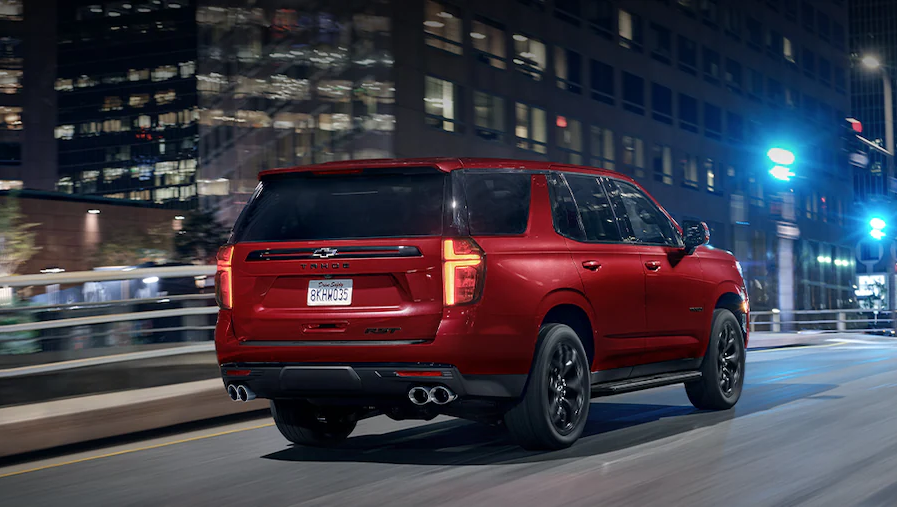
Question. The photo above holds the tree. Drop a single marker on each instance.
(17, 239)
(200, 238)
(133, 247)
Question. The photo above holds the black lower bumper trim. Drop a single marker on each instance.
(275, 381)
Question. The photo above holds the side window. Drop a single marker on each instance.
(643, 222)
(497, 202)
(593, 208)
(563, 209)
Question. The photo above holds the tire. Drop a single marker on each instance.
(302, 423)
(722, 380)
(552, 415)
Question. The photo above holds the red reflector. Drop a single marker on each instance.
(419, 373)
(238, 373)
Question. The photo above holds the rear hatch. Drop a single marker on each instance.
(341, 256)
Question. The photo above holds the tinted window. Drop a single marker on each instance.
(644, 220)
(374, 204)
(594, 209)
(497, 202)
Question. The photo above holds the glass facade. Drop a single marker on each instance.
(285, 83)
(127, 96)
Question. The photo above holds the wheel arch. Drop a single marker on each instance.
(570, 308)
(731, 297)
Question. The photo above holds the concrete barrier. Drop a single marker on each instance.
(40, 426)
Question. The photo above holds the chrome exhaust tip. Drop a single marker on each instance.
(442, 395)
(419, 395)
(232, 392)
(245, 393)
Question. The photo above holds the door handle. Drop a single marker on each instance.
(653, 265)
(591, 265)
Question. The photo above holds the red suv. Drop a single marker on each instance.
(501, 291)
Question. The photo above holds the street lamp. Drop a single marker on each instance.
(878, 226)
(872, 62)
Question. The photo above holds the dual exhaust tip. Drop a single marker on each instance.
(240, 393)
(439, 395)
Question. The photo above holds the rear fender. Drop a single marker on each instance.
(557, 298)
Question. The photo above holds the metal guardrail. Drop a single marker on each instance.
(822, 320)
(95, 324)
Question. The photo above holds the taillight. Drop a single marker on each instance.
(224, 280)
(463, 271)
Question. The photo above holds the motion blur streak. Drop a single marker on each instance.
(814, 427)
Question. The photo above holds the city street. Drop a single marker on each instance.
(815, 426)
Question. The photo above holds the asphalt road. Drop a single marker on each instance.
(815, 426)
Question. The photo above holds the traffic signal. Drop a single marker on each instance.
(877, 225)
(782, 159)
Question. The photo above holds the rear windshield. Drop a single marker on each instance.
(373, 204)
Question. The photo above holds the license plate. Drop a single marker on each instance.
(330, 293)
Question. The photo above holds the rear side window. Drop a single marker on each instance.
(593, 206)
(497, 202)
(373, 204)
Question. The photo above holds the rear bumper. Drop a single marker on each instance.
(370, 382)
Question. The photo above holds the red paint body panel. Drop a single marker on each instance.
(638, 315)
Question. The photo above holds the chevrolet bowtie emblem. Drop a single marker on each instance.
(324, 253)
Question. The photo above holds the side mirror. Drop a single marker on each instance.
(696, 234)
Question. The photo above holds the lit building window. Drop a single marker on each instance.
(488, 38)
(65, 85)
(112, 126)
(164, 72)
(529, 56)
(335, 90)
(143, 121)
(112, 103)
(441, 104)
(10, 118)
(334, 122)
(630, 30)
(634, 155)
(138, 75)
(569, 139)
(442, 26)
(601, 144)
(531, 128)
(489, 116)
(139, 100)
(168, 119)
(663, 164)
(165, 97)
(788, 51)
(10, 81)
(113, 173)
(187, 69)
(65, 132)
(568, 69)
(114, 79)
(688, 166)
(65, 185)
(287, 88)
(11, 10)
(86, 82)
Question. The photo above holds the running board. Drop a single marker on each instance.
(639, 383)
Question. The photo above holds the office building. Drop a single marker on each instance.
(27, 104)
(126, 89)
